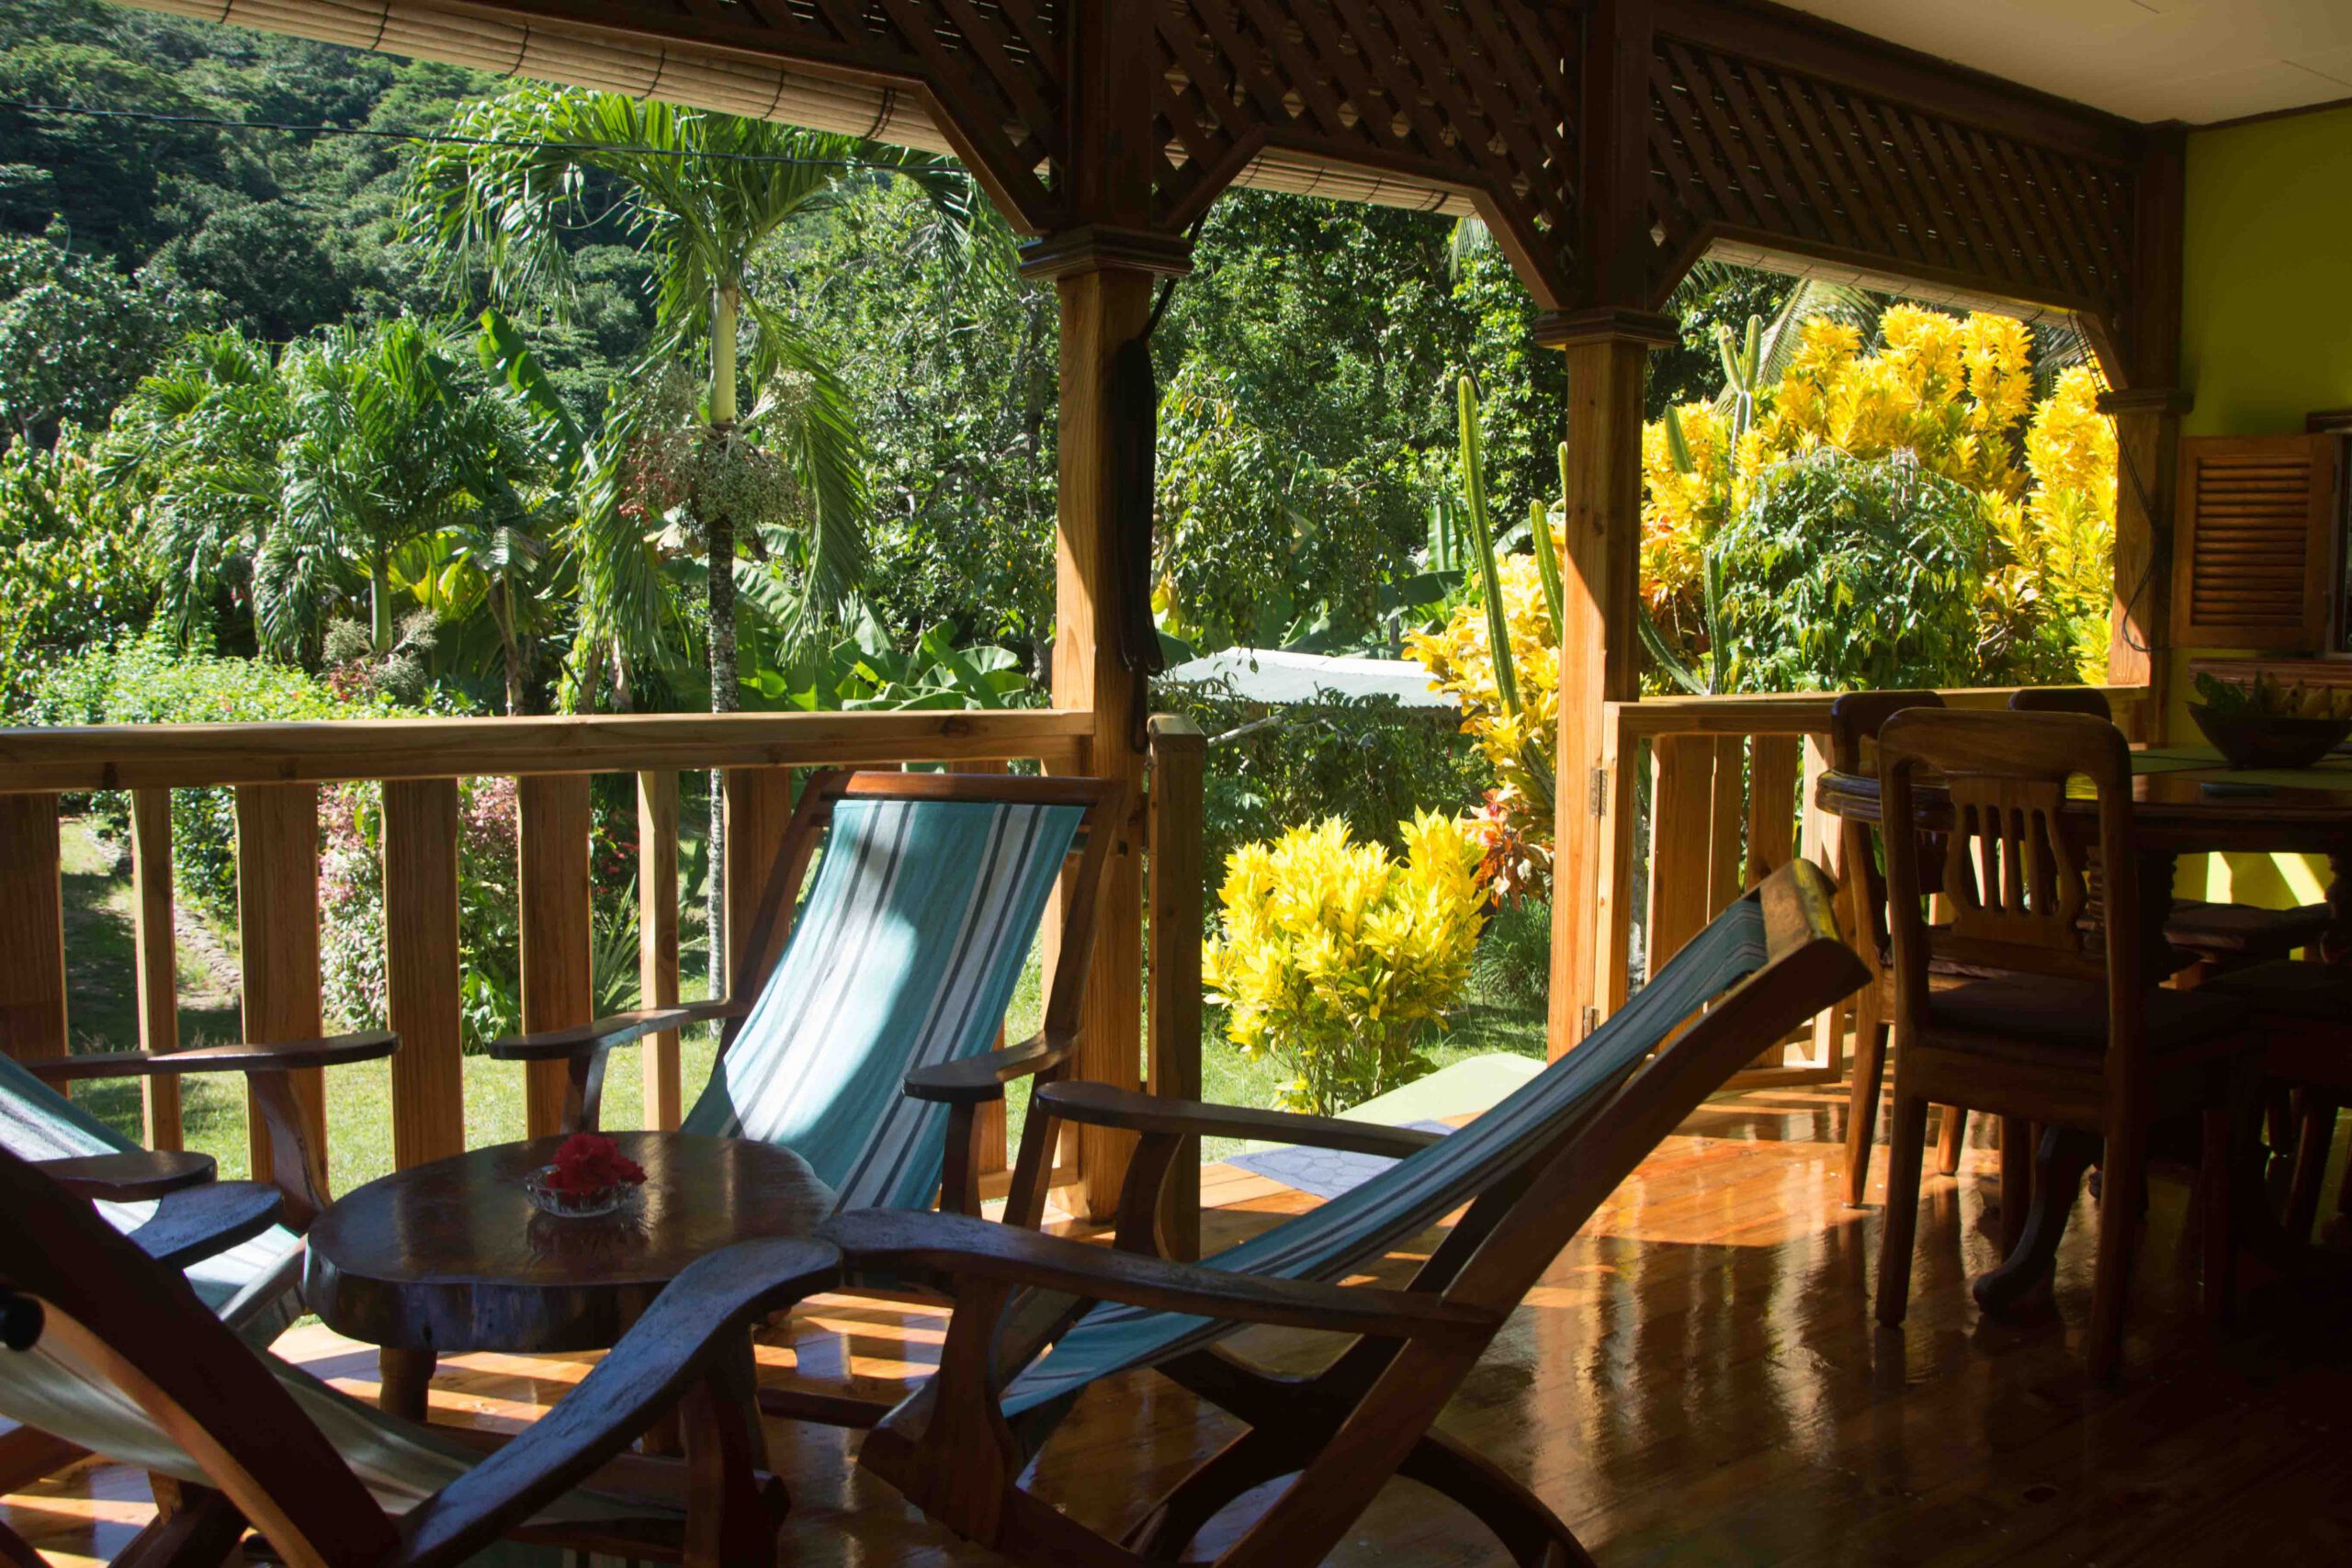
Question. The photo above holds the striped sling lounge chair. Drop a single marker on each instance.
(859, 1034)
(125, 1358)
(1038, 1318)
(254, 1285)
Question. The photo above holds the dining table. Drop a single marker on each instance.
(2186, 800)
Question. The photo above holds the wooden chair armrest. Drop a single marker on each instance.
(600, 1035)
(131, 1177)
(983, 1077)
(204, 1220)
(705, 1313)
(895, 1242)
(1101, 1105)
(335, 1051)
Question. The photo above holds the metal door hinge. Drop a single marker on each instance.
(1591, 1022)
(1600, 791)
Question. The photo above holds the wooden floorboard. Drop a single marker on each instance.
(1698, 1379)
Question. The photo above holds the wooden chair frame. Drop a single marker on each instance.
(297, 1165)
(964, 1086)
(271, 1467)
(1345, 1431)
(2017, 879)
(1856, 718)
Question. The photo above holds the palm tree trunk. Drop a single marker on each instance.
(718, 534)
(380, 606)
(517, 687)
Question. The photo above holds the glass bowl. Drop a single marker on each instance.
(570, 1205)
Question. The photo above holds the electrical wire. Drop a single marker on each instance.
(449, 139)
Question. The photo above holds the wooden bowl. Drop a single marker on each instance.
(2268, 740)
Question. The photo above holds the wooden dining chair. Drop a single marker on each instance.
(1039, 1319)
(114, 1348)
(2207, 939)
(2068, 1032)
(1854, 722)
(2303, 1012)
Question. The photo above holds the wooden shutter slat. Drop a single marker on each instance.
(2254, 555)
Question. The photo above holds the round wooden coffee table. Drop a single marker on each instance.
(452, 1256)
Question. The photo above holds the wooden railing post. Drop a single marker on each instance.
(277, 946)
(1179, 759)
(157, 949)
(559, 988)
(1616, 782)
(1683, 799)
(32, 928)
(657, 940)
(421, 969)
(759, 806)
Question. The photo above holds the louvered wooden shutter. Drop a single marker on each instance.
(2254, 555)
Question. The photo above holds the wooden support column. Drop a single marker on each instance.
(657, 940)
(551, 883)
(420, 978)
(32, 928)
(1607, 353)
(157, 947)
(1102, 307)
(2146, 404)
(278, 942)
(1105, 266)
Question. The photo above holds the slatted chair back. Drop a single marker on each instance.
(247, 1283)
(2085, 700)
(2016, 873)
(1855, 720)
(904, 956)
(1532, 1168)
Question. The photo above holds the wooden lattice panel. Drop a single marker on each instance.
(1470, 95)
(1743, 150)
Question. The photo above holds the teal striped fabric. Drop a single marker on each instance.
(1341, 1235)
(38, 1122)
(904, 956)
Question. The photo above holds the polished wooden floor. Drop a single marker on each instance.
(1697, 1380)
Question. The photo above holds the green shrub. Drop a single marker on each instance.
(71, 572)
(1847, 573)
(1372, 762)
(1513, 967)
(1336, 959)
(149, 680)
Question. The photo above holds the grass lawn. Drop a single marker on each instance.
(102, 1013)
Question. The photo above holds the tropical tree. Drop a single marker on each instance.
(703, 193)
(386, 448)
(196, 445)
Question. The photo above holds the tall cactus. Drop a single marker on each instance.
(1534, 754)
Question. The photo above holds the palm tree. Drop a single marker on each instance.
(196, 445)
(385, 450)
(703, 193)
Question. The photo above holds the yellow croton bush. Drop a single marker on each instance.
(1955, 393)
(1337, 957)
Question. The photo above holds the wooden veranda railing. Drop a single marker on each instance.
(1724, 788)
(277, 770)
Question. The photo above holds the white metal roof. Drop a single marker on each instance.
(1275, 677)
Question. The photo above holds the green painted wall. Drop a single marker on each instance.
(2266, 337)
(2267, 273)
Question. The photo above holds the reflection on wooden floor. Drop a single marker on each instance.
(1698, 1381)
